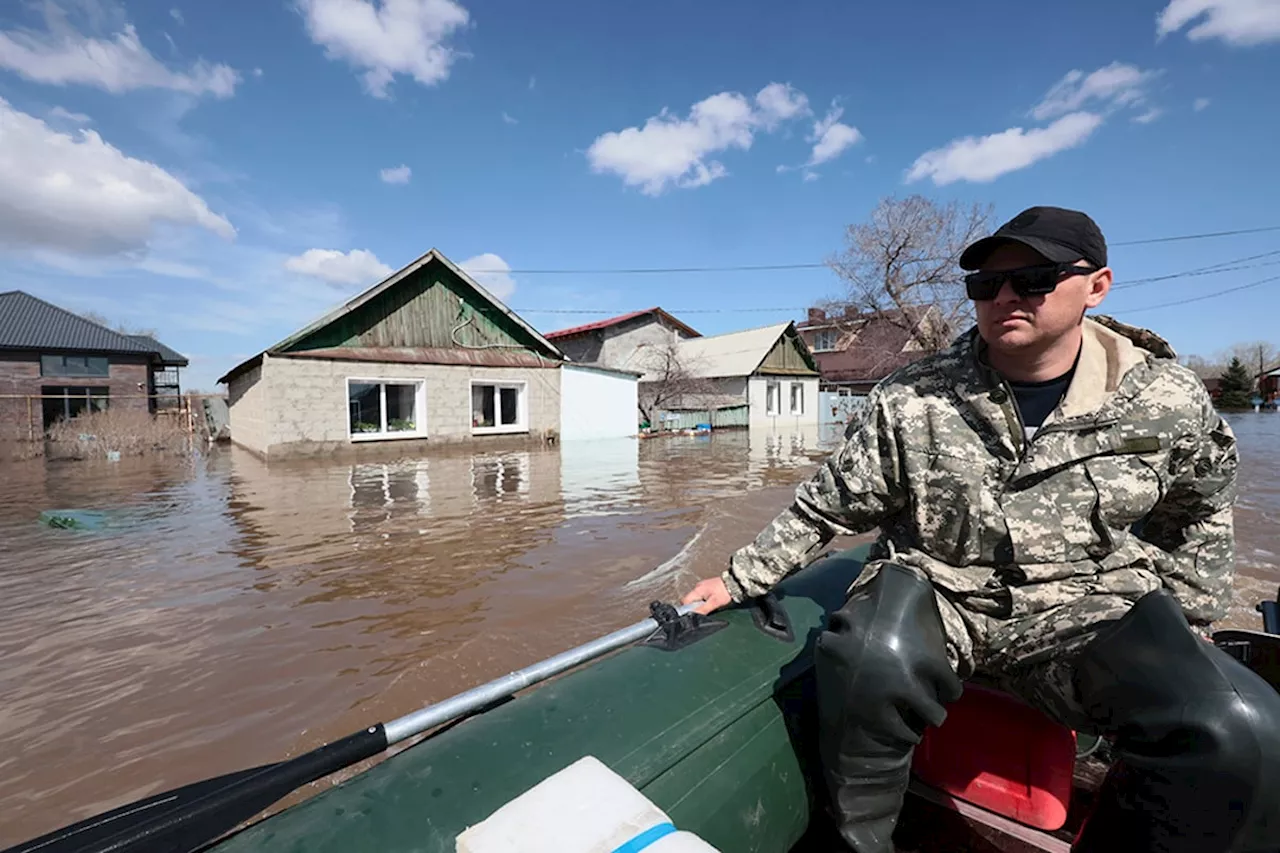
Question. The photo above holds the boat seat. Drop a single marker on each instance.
(999, 753)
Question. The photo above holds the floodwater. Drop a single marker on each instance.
(242, 614)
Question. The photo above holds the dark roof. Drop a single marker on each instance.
(167, 356)
(28, 323)
(616, 321)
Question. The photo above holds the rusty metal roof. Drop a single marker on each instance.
(615, 321)
(427, 355)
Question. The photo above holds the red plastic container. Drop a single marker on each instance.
(1001, 754)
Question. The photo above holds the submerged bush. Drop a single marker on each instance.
(129, 432)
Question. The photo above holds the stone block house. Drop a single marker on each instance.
(623, 342)
(426, 356)
(55, 365)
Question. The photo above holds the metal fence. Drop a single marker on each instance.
(722, 418)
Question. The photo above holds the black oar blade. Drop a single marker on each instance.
(189, 818)
(91, 831)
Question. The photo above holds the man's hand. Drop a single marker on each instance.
(712, 592)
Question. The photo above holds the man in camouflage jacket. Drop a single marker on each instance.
(1031, 485)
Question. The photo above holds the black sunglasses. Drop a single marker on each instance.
(1026, 281)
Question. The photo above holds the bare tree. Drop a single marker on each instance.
(101, 320)
(671, 381)
(904, 260)
(1257, 356)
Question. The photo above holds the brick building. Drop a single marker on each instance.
(55, 364)
(426, 356)
(854, 350)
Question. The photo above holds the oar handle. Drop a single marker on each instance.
(455, 706)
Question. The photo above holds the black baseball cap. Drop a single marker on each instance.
(1059, 234)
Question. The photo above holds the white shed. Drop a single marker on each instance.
(597, 402)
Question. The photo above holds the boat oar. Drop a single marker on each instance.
(191, 817)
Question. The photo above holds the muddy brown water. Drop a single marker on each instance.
(242, 613)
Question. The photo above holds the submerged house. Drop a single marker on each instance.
(55, 365)
(755, 377)
(427, 355)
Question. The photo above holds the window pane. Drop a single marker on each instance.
(400, 404)
(510, 396)
(98, 399)
(97, 365)
(364, 407)
(482, 405)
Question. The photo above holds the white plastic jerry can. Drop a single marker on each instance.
(584, 808)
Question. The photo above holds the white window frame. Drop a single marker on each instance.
(522, 407)
(772, 404)
(817, 340)
(419, 408)
(794, 387)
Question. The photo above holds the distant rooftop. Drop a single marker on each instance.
(616, 321)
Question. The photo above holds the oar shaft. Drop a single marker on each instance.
(478, 697)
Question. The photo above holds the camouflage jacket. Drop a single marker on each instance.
(938, 460)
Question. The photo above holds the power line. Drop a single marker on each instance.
(823, 265)
(1213, 295)
(1212, 269)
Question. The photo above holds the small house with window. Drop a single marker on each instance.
(426, 356)
(55, 364)
(756, 377)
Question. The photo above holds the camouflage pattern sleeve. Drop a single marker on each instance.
(1191, 532)
(852, 492)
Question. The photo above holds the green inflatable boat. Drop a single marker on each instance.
(710, 718)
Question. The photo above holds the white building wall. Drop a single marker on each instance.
(595, 404)
(247, 400)
(784, 418)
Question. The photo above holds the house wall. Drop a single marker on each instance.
(247, 397)
(622, 349)
(20, 378)
(757, 387)
(304, 404)
(596, 405)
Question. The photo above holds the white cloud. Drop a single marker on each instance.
(779, 102)
(810, 176)
(257, 72)
(176, 14)
(1115, 85)
(670, 151)
(533, 82)
(387, 37)
(116, 64)
(492, 273)
(358, 266)
(508, 119)
(399, 175)
(1149, 116)
(77, 193)
(67, 115)
(831, 137)
(1243, 23)
(1200, 104)
(987, 158)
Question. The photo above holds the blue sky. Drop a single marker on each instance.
(226, 172)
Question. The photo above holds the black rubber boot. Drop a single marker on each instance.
(1196, 738)
(882, 676)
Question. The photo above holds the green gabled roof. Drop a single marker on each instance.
(293, 343)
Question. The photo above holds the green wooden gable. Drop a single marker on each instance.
(789, 356)
(430, 307)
